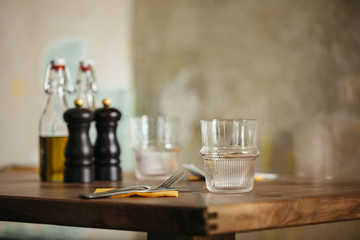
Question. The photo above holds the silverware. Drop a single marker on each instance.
(134, 188)
(194, 170)
(167, 185)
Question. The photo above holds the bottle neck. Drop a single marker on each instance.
(57, 90)
(57, 79)
(85, 88)
(57, 100)
(51, 121)
(56, 85)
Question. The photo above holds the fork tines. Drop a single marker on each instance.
(173, 179)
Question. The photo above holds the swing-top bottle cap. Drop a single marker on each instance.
(57, 65)
(58, 62)
(86, 65)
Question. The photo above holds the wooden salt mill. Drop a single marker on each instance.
(79, 153)
(107, 148)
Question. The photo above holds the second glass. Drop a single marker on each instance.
(156, 147)
(229, 149)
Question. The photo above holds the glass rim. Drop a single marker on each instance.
(154, 117)
(231, 120)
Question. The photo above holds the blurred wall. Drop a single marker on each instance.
(34, 32)
(294, 65)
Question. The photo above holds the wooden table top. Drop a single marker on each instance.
(282, 202)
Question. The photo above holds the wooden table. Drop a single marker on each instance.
(284, 202)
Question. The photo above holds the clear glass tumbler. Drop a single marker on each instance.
(229, 149)
(155, 146)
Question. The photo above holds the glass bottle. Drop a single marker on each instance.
(86, 90)
(53, 133)
(85, 84)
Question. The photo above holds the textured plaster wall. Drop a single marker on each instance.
(34, 32)
(294, 65)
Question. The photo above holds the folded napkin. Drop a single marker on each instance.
(258, 178)
(194, 178)
(169, 193)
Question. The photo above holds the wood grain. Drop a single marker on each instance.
(166, 236)
(287, 201)
(285, 213)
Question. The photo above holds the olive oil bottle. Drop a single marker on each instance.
(52, 158)
(53, 133)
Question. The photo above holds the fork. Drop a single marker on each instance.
(166, 185)
(194, 170)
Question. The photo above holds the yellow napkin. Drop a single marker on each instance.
(170, 193)
(258, 178)
(193, 178)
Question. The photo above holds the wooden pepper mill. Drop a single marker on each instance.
(107, 148)
(79, 153)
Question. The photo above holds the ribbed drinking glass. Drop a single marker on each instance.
(229, 149)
